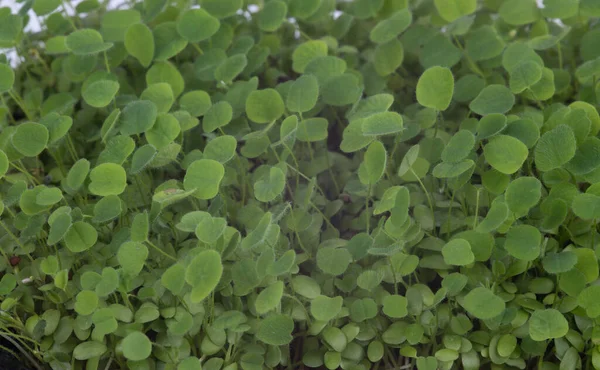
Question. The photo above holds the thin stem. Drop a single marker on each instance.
(476, 210)
(335, 184)
(368, 199)
(27, 174)
(14, 237)
(161, 251)
(106, 64)
(429, 200)
(10, 115)
(197, 48)
(15, 96)
(22, 350)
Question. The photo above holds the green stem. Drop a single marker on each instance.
(15, 96)
(368, 199)
(429, 200)
(161, 251)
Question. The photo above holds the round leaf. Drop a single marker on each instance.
(264, 106)
(204, 176)
(547, 324)
(30, 138)
(505, 154)
(108, 179)
(483, 303)
(136, 346)
(435, 88)
(196, 25)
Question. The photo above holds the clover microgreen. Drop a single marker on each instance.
(288, 184)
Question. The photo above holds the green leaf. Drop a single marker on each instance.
(440, 51)
(276, 330)
(384, 123)
(589, 299)
(264, 106)
(523, 242)
(312, 129)
(303, 9)
(447, 170)
(7, 78)
(325, 308)
(222, 8)
(483, 304)
(269, 298)
(272, 15)
(459, 146)
(221, 149)
(451, 10)
(390, 28)
(374, 164)
(174, 278)
(333, 261)
(196, 25)
(190, 363)
(557, 263)
(90, 349)
(219, 115)
(164, 132)
(586, 206)
(306, 52)
(306, 286)
(140, 227)
(484, 43)
(522, 194)
(197, 102)
(587, 157)
(59, 228)
(203, 274)
(107, 208)
(341, 90)
(99, 94)
(136, 346)
(395, 306)
(560, 9)
(78, 173)
(160, 94)
(86, 302)
(209, 229)
(303, 93)
(108, 179)
(142, 158)
(86, 41)
(435, 88)
(138, 117)
(458, 252)
(30, 138)
(493, 99)
(547, 324)
(388, 57)
(139, 43)
(267, 188)
(132, 257)
(115, 23)
(49, 196)
(519, 12)
(505, 154)
(204, 176)
(80, 237)
(166, 72)
(524, 75)
(555, 148)
(44, 7)
(230, 68)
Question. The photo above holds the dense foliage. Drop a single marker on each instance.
(283, 184)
